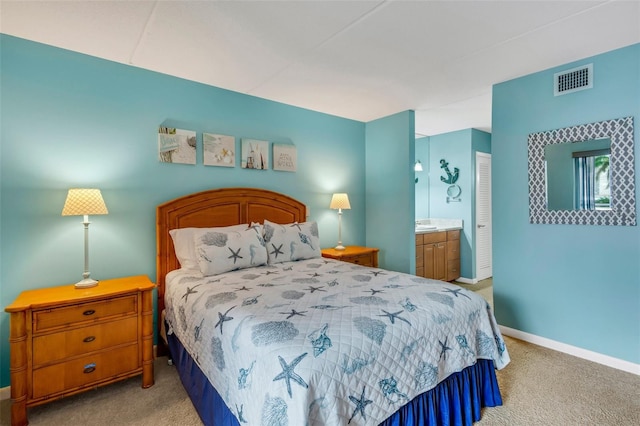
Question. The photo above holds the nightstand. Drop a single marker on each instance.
(65, 340)
(365, 256)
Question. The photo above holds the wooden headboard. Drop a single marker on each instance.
(216, 207)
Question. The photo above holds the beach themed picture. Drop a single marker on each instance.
(176, 145)
(255, 154)
(284, 157)
(219, 150)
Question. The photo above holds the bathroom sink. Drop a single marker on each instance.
(425, 227)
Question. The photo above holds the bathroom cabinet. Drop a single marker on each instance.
(438, 255)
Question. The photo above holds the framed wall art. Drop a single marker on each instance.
(285, 157)
(621, 208)
(176, 145)
(255, 154)
(219, 150)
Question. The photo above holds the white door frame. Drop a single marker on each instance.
(483, 228)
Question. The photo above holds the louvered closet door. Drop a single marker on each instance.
(484, 259)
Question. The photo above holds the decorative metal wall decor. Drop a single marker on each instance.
(453, 191)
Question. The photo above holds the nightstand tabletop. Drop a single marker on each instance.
(348, 251)
(43, 297)
(365, 256)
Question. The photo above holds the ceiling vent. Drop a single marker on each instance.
(573, 80)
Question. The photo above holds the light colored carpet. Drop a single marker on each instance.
(539, 387)
(123, 403)
(484, 288)
(545, 387)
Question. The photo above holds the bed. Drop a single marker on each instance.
(277, 335)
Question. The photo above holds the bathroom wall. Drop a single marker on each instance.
(458, 149)
(422, 184)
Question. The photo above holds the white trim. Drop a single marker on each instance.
(609, 361)
(5, 393)
(467, 280)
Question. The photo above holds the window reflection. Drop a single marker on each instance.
(578, 175)
(591, 184)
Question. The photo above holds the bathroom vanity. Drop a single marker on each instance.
(438, 249)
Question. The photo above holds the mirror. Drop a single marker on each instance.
(578, 174)
(583, 174)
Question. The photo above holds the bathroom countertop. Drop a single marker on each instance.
(438, 229)
(438, 225)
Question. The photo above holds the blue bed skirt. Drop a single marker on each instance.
(455, 401)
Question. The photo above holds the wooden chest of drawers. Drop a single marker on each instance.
(66, 340)
(365, 256)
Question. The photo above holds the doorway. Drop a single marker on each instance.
(483, 251)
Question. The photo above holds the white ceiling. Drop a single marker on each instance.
(356, 59)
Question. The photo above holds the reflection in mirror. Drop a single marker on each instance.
(596, 185)
(577, 175)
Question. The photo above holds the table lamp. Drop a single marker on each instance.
(340, 201)
(83, 202)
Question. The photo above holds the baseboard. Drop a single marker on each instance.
(467, 280)
(609, 361)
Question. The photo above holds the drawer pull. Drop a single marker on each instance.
(89, 312)
(89, 368)
(89, 339)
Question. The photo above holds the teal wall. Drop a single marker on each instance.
(459, 150)
(72, 120)
(390, 190)
(575, 284)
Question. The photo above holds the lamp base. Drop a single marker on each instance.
(339, 247)
(86, 283)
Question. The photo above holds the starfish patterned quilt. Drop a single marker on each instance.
(323, 342)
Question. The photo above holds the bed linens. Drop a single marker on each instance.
(322, 342)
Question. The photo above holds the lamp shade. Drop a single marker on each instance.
(418, 166)
(340, 201)
(82, 201)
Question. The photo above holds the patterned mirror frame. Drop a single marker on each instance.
(622, 168)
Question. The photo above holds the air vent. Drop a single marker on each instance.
(573, 80)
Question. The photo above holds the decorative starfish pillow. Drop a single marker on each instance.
(218, 251)
(183, 242)
(292, 241)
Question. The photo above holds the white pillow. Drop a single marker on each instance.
(184, 246)
(293, 241)
(222, 251)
